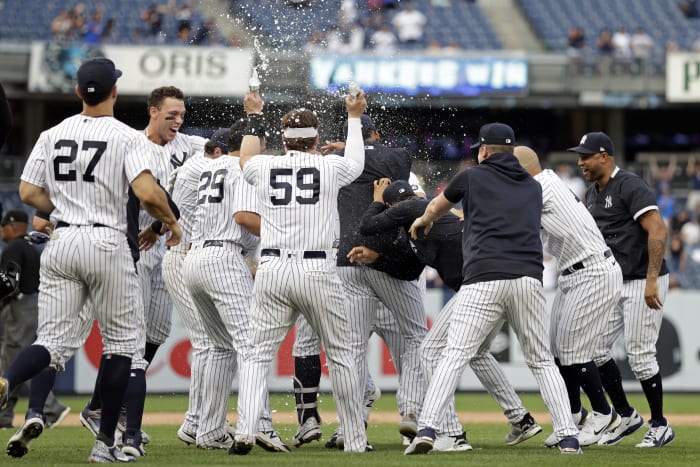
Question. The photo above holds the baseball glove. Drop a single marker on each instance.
(9, 282)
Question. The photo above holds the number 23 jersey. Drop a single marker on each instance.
(86, 164)
(297, 197)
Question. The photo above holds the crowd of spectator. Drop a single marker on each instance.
(165, 23)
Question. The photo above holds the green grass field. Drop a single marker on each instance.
(70, 445)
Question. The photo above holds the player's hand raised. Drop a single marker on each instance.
(253, 103)
(332, 147)
(356, 105)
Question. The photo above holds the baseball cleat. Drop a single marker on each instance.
(627, 426)
(570, 445)
(596, 426)
(242, 445)
(225, 442)
(307, 432)
(446, 443)
(422, 443)
(18, 445)
(133, 446)
(580, 420)
(185, 437)
(409, 426)
(657, 436)
(336, 441)
(271, 441)
(91, 419)
(51, 422)
(103, 454)
(523, 430)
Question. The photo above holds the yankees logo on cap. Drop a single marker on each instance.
(593, 143)
(495, 133)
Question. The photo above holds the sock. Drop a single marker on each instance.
(115, 378)
(573, 388)
(39, 390)
(96, 402)
(589, 378)
(612, 382)
(30, 362)
(151, 350)
(307, 376)
(135, 401)
(653, 390)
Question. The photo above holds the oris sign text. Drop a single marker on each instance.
(198, 71)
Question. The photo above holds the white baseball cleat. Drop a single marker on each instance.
(597, 425)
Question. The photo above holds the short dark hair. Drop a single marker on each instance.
(500, 148)
(95, 98)
(300, 118)
(158, 95)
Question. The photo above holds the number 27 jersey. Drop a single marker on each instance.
(86, 165)
(297, 197)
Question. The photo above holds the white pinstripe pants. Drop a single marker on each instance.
(640, 326)
(82, 262)
(478, 313)
(284, 288)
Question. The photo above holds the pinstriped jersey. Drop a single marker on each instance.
(168, 157)
(569, 232)
(183, 147)
(298, 197)
(216, 202)
(86, 165)
(184, 192)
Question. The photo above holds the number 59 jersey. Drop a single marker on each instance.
(86, 164)
(297, 197)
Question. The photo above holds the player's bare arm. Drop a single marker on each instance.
(249, 221)
(155, 201)
(35, 196)
(362, 254)
(438, 207)
(652, 222)
(379, 187)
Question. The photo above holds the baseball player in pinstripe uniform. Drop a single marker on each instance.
(78, 171)
(183, 185)
(396, 206)
(625, 210)
(502, 280)
(588, 288)
(297, 193)
(217, 276)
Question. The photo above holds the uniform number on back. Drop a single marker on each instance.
(211, 187)
(63, 169)
(307, 181)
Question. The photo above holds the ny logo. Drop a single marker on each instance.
(608, 201)
(175, 162)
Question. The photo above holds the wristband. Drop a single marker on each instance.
(156, 227)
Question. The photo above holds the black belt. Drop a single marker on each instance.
(222, 244)
(309, 254)
(61, 224)
(578, 266)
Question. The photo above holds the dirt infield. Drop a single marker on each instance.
(174, 418)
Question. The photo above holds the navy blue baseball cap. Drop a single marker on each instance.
(396, 190)
(495, 133)
(593, 143)
(367, 126)
(220, 139)
(97, 75)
